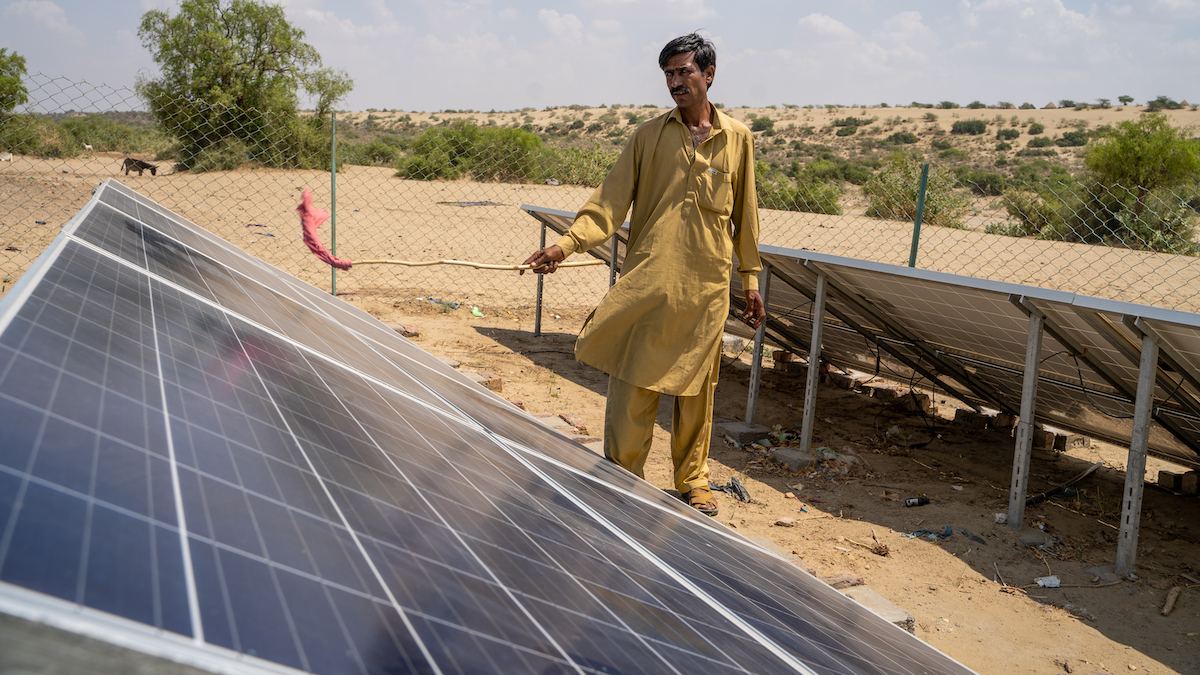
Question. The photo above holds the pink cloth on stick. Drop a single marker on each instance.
(310, 219)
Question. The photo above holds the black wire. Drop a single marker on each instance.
(1088, 395)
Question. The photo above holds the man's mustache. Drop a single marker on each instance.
(679, 90)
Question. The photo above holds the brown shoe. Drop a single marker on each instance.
(701, 499)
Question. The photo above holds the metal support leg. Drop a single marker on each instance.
(764, 286)
(1024, 441)
(612, 260)
(814, 367)
(1135, 467)
(537, 312)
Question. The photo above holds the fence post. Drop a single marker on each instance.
(537, 313)
(912, 255)
(333, 199)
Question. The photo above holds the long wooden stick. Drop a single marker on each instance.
(477, 265)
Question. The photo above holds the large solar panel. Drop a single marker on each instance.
(206, 459)
(968, 337)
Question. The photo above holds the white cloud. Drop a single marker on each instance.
(823, 27)
(562, 26)
(44, 14)
(680, 10)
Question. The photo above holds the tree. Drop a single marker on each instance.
(12, 89)
(1125, 100)
(231, 71)
(1104, 102)
(1145, 154)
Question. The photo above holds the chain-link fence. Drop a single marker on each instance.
(445, 187)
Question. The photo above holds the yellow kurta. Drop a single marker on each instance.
(659, 327)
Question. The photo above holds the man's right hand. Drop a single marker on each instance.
(546, 260)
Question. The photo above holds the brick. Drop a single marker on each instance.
(1190, 484)
(1170, 480)
(1004, 421)
(1043, 440)
(745, 433)
(970, 420)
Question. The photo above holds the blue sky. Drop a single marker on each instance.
(507, 54)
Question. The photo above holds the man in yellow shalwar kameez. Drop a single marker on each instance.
(689, 176)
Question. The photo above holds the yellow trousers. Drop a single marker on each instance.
(629, 429)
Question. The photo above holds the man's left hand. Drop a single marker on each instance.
(755, 313)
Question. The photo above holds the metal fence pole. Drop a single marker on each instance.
(333, 199)
(537, 312)
(912, 254)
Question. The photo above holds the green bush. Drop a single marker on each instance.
(947, 105)
(1033, 152)
(1003, 146)
(1008, 134)
(1163, 103)
(892, 194)
(107, 135)
(36, 135)
(576, 166)
(983, 183)
(784, 195)
(975, 105)
(378, 152)
(1036, 128)
(847, 131)
(829, 169)
(1072, 139)
(954, 153)
(486, 153)
(1092, 213)
(972, 127)
(902, 138)
(1040, 142)
(226, 155)
(763, 123)
(941, 144)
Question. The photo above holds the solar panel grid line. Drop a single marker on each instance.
(587, 591)
(180, 514)
(863, 305)
(654, 560)
(833, 307)
(501, 443)
(117, 630)
(37, 271)
(1177, 371)
(455, 533)
(268, 329)
(1123, 344)
(432, 663)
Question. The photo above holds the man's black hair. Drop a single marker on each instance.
(704, 54)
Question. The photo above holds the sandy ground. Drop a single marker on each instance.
(952, 586)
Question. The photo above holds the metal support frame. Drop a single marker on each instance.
(814, 366)
(1024, 432)
(879, 341)
(612, 259)
(864, 308)
(541, 279)
(1135, 467)
(1129, 348)
(764, 285)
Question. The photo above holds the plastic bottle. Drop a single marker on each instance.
(916, 501)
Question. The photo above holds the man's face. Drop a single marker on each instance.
(687, 83)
